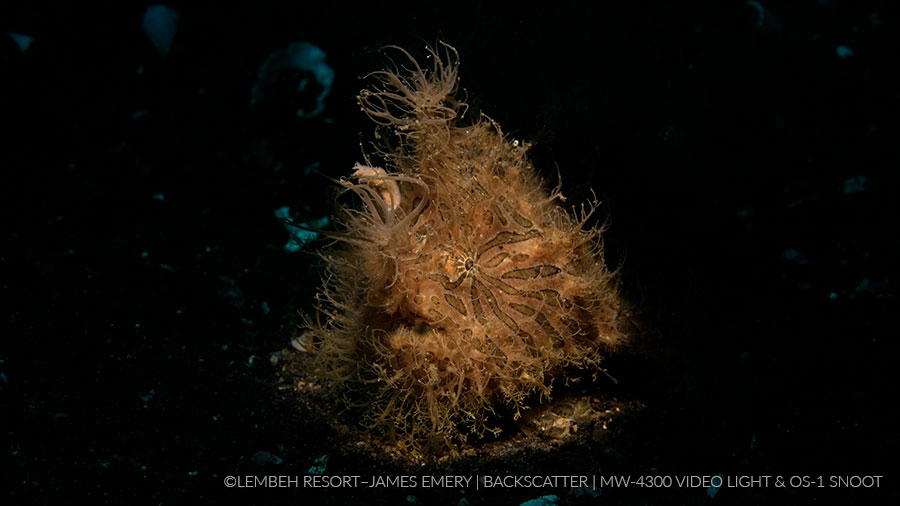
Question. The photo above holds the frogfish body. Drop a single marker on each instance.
(460, 290)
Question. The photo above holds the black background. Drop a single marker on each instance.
(749, 173)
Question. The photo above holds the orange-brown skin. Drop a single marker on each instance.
(462, 286)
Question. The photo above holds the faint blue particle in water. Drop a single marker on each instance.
(795, 256)
(856, 184)
(843, 51)
(159, 24)
(301, 233)
(264, 457)
(319, 465)
(298, 56)
(715, 485)
(22, 41)
(546, 500)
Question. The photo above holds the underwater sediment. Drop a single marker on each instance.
(460, 291)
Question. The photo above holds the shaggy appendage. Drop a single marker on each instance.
(462, 290)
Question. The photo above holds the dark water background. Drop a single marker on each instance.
(748, 165)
